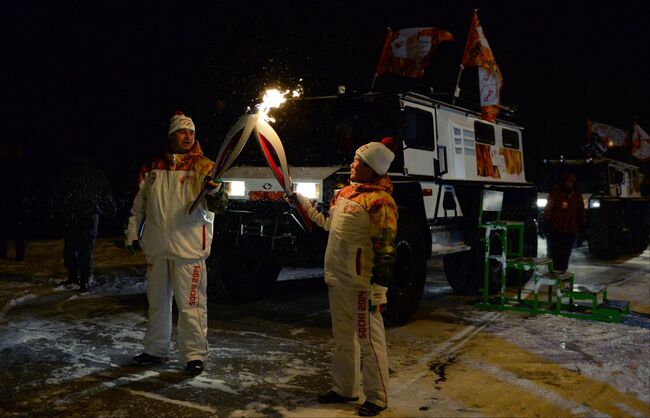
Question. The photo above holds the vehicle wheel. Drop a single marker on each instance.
(606, 231)
(464, 272)
(409, 272)
(640, 238)
(237, 278)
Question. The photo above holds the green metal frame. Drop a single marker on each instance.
(561, 302)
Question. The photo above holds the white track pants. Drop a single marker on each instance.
(185, 280)
(358, 332)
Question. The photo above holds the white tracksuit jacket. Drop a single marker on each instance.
(176, 245)
(349, 261)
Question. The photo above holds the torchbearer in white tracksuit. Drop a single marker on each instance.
(175, 244)
(362, 225)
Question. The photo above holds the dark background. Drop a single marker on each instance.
(104, 77)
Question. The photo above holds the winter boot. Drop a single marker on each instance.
(73, 279)
(145, 359)
(369, 409)
(194, 367)
(84, 283)
(333, 397)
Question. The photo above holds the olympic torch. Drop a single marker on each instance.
(269, 143)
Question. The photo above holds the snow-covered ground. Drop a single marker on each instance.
(66, 354)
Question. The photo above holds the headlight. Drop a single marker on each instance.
(235, 188)
(594, 204)
(541, 203)
(309, 190)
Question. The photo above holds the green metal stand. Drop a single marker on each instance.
(564, 297)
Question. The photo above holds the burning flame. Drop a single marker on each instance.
(273, 98)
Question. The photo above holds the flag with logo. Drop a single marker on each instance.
(607, 136)
(406, 52)
(640, 146)
(478, 54)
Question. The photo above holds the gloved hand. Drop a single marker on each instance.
(378, 299)
(214, 186)
(132, 246)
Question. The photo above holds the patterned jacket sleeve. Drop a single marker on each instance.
(383, 230)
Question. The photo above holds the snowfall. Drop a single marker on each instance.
(69, 354)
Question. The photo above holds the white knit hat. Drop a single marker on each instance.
(377, 156)
(180, 121)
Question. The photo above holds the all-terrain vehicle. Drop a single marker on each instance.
(447, 156)
(617, 216)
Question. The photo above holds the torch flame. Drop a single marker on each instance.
(273, 98)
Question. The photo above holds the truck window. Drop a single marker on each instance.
(418, 129)
(510, 138)
(484, 133)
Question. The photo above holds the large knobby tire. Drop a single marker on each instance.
(409, 272)
(639, 228)
(464, 270)
(238, 278)
(640, 238)
(606, 230)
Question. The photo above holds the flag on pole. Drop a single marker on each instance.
(607, 135)
(640, 143)
(478, 54)
(406, 52)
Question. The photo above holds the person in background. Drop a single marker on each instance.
(362, 225)
(12, 205)
(176, 244)
(81, 195)
(564, 214)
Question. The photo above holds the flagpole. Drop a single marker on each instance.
(374, 79)
(461, 68)
(457, 89)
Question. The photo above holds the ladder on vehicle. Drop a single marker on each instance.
(563, 296)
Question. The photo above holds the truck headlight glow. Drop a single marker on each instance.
(309, 190)
(541, 203)
(235, 188)
(594, 204)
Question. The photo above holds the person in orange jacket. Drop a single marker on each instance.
(362, 225)
(176, 244)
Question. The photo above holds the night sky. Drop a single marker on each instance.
(105, 77)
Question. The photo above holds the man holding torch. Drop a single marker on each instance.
(362, 225)
(176, 244)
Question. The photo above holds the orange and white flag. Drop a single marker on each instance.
(478, 53)
(640, 143)
(607, 135)
(406, 52)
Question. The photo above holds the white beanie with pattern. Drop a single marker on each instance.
(377, 156)
(180, 121)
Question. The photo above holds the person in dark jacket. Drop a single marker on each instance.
(563, 215)
(80, 197)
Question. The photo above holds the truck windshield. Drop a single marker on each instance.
(327, 131)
